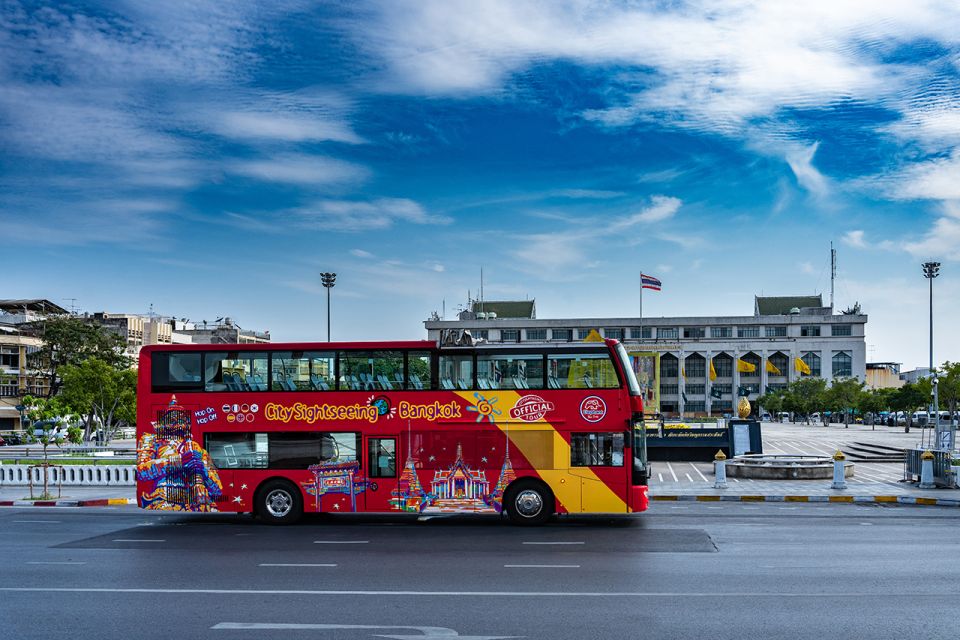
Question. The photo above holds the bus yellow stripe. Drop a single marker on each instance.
(566, 486)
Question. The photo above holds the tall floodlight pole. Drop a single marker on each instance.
(328, 280)
(930, 271)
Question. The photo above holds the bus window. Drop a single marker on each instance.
(418, 370)
(238, 450)
(596, 450)
(176, 372)
(383, 458)
(302, 371)
(371, 370)
(456, 372)
(502, 371)
(581, 371)
(235, 371)
(299, 450)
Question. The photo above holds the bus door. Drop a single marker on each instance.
(381, 465)
(597, 460)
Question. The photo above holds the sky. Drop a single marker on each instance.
(211, 159)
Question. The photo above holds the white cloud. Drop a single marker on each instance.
(800, 160)
(807, 268)
(937, 179)
(661, 208)
(942, 241)
(301, 169)
(287, 127)
(855, 239)
(360, 253)
(363, 215)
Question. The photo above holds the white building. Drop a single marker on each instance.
(766, 350)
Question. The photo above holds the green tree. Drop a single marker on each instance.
(875, 401)
(949, 382)
(105, 396)
(772, 401)
(909, 398)
(68, 340)
(844, 395)
(50, 424)
(804, 396)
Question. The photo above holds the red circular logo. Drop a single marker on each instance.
(592, 409)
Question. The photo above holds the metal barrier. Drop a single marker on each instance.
(70, 475)
(942, 475)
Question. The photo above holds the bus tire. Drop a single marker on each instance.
(279, 502)
(529, 502)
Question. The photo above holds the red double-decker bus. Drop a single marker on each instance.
(283, 429)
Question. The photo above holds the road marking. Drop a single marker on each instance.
(541, 566)
(660, 476)
(945, 595)
(689, 479)
(422, 632)
(137, 540)
(290, 564)
(670, 469)
(341, 542)
(38, 521)
(54, 562)
(866, 524)
(554, 543)
(699, 472)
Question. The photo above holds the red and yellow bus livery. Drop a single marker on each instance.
(280, 429)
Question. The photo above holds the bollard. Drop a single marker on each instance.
(720, 470)
(926, 471)
(839, 472)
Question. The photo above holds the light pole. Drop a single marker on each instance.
(930, 271)
(328, 280)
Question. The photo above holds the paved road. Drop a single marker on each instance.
(680, 571)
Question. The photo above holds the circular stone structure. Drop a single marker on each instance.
(762, 466)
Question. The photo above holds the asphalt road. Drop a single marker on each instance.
(680, 571)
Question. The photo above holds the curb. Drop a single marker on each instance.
(934, 502)
(97, 502)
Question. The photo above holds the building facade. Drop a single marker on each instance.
(704, 360)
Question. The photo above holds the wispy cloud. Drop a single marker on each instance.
(855, 239)
(284, 126)
(363, 215)
(301, 169)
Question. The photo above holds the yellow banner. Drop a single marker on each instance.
(745, 367)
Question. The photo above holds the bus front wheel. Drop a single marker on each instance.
(279, 502)
(529, 502)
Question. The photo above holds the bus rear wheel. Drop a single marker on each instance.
(529, 502)
(279, 502)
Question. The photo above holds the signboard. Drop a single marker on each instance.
(646, 366)
(741, 439)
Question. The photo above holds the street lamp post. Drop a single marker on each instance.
(328, 280)
(930, 271)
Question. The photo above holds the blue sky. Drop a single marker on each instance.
(212, 159)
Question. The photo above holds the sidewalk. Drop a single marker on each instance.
(72, 497)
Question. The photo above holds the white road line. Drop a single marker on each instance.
(53, 562)
(282, 564)
(136, 540)
(541, 566)
(735, 480)
(660, 477)
(38, 521)
(670, 469)
(698, 472)
(770, 445)
(536, 542)
(794, 447)
(942, 594)
(689, 479)
(341, 542)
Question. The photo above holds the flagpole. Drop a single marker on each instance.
(641, 307)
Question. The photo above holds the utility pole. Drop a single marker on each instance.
(328, 280)
(930, 271)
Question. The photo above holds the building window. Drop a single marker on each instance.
(669, 367)
(509, 335)
(536, 335)
(722, 389)
(813, 361)
(776, 386)
(667, 333)
(583, 333)
(481, 334)
(842, 365)
(614, 333)
(695, 367)
(695, 406)
(694, 332)
(562, 335)
(775, 332)
(841, 330)
(748, 332)
(668, 389)
(641, 333)
(723, 365)
(695, 389)
(721, 332)
(780, 362)
(810, 331)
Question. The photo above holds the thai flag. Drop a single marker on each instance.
(649, 282)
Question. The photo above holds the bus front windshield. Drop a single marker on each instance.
(628, 371)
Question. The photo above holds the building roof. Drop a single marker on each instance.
(33, 304)
(507, 308)
(781, 305)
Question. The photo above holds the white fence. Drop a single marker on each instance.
(70, 475)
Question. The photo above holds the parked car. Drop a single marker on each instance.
(766, 417)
